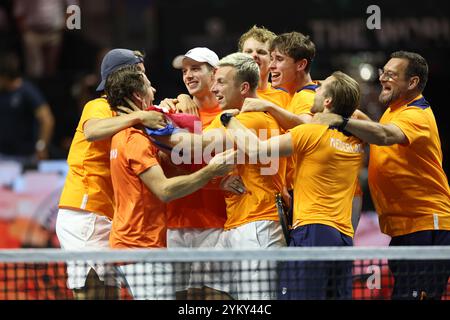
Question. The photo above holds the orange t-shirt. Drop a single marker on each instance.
(204, 208)
(303, 99)
(408, 185)
(258, 203)
(278, 96)
(301, 103)
(208, 115)
(88, 182)
(139, 216)
(328, 164)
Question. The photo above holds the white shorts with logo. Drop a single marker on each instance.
(191, 275)
(251, 279)
(80, 230)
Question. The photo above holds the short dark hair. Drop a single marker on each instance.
(122, 83)
(295, 45)
(345, 93)
(417, 66)
(9, 65)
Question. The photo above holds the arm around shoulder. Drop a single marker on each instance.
(168, 189)
(376, 133)
(99, 129)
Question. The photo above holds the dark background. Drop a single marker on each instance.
(164, 29)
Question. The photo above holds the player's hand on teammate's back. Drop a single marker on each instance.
(223, 162)
(186, 105)
(233, 183)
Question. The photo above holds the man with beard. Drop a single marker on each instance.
(407, 182)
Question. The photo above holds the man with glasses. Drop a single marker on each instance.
(407, 182)
(388, 75)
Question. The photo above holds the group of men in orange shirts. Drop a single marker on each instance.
(115, 190)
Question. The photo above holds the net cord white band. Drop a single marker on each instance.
(206, 254)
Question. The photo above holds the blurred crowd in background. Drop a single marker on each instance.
(59, 69)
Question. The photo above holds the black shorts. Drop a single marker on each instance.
(420, 279)
(302, 280)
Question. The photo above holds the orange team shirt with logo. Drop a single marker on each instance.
(258, 203)
(204, 208)
(278, 96)
(301, 103)
(328, 164)
(407, 183)
(139, 216)
(88, 183)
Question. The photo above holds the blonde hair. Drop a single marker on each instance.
(247, 69)
(258, 33)
(345, 94)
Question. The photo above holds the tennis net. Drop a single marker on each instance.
(358, 273)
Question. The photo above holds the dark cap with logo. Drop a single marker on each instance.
(115, 59)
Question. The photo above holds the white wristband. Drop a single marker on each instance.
(41, 145)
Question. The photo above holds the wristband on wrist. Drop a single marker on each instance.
(225, 118)
(40, 145)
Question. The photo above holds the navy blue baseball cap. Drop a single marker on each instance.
(115, 59)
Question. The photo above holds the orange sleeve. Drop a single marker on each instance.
(413, 124)
(140, 153)
(95, 109)
(298, 140)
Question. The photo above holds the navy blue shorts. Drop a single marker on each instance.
(302, 280)
(420, 279)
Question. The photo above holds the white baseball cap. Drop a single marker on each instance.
(199, 54)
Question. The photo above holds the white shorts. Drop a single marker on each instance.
(191, 275)
(250, 279)
(80, 230)
(149, 281)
